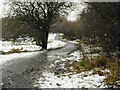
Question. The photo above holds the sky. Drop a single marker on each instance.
(1, 7)
(74, 14)
(71, 17)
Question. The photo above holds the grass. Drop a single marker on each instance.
(114, 67)
(100, 61)
(83, 65)
(98, 65)
(85, 41)
(95, 51)
(100, 71)
(13, 51)
(89, 42)
(68, 37)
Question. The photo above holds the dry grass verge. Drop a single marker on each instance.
(13, 51)
(99, 65)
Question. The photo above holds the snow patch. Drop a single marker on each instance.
(56, 44)
(53, 42)
(75, 41)
(81, 80)
(51, 37)
(76, 55)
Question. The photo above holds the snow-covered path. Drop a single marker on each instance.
(54, 42)
(58, 77)
(23, 71)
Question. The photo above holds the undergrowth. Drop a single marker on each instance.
(99, 65)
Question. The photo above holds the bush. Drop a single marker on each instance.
(114, 67)
(100, 61)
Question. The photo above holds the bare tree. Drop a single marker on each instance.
(40, 16)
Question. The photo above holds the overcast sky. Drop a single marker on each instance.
(1, 6)
(74, 14)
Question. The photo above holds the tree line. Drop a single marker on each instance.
(99, 22)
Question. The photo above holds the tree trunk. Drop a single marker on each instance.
(45, 38)
(45, 34)
(44, 42)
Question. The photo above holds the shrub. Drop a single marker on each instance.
(100, 61)
(114, 67)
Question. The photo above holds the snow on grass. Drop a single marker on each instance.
(75, 41)
(7, 46)
(76, 56)
(20, 47)
(27, 40)
(81, 80)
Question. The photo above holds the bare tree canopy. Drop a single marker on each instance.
(39, 15)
